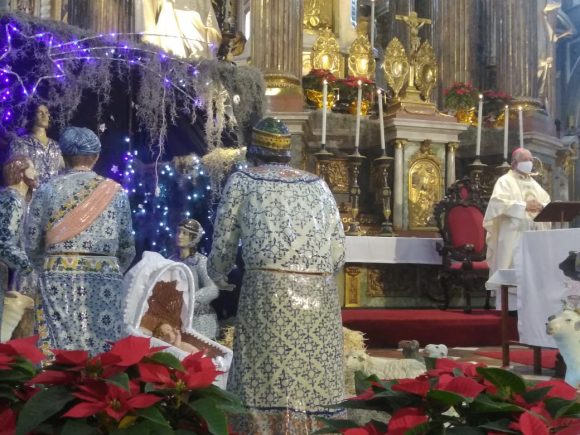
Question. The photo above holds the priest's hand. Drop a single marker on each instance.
(534, 206)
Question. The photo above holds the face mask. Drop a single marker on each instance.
(525, 167)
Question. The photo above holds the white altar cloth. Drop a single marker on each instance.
(385, 250)
(542, 284)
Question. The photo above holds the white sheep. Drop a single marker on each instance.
(565, 328)
(435, 351)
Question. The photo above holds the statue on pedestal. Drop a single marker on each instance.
(19, 177)
(189, 234)
(37, 146)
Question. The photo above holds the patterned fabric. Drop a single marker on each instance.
(47, 159)
(288, 362)
(81, 299)
(79, 141)
(204, 316)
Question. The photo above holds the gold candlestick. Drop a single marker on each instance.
(476, 170)
(323, 157)
(354, 161)
(383, 164)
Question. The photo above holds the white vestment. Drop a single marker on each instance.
(506, 219)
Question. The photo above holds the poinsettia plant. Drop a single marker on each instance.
(131, 389)
(494, 102)
(461, 96)
(314, 79)
(463, 398)
(348, 92)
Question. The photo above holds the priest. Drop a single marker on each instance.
(516, 200)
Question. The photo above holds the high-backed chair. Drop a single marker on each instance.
(459, 217)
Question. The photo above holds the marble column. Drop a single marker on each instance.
(276, 40)
(517, 54)
(455, 39)
(398, 183)
(450, 165)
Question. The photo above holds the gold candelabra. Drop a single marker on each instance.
(476, 171)
(383, 163)
(323, 157)
(354, 162)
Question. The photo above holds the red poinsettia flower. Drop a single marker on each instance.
(131, 350)
(8, 419)
(55, 377)
(368, 429)
(5, 362)
(199, 372)
(559, 389)
(405, 419)
(23, 347)
(412, 386)
(465, 387)
(113, 400)
(531, 424)
(365, 395)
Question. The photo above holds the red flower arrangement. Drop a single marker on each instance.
(131, 389)
(463, 398)
(461, 96)
(494, 102)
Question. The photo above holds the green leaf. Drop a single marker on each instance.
(420, 429)
(464, 430)
(226, 401)
(6, 392)
(154, 415)
(141, 428)
(334, 426)
(535, 395)
(446, 397)
(484, 404)
(558, 407)
(41, 407)
(504, 380)
(167, 360)
(120, 380)
(78, 427)
(214, 417)
(499, 426)
(430, 363)
(363, 382)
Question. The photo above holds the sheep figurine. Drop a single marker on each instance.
(435, 351)
(410, 349)
(565, 328)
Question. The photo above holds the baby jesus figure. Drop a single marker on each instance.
(171, 335)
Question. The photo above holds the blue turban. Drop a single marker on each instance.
(79, 141)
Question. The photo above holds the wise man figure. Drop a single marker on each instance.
(189, 233)
(19, 178)
(516, 200)
(288, 362)
(80, 235)
(37, 146)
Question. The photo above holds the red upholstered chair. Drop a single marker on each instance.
(459, 219)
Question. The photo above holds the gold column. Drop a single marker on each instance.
(277, 45)
(517, 54)
(455, 41)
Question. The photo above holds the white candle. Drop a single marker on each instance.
(358, 107)
(324, 109)
(521, 122)
(373, 24)
(381, 120)
(479, 122)
(506, 114)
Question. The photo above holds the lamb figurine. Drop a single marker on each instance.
(435, 351)
(565, 328)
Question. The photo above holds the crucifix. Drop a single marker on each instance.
(414, 23)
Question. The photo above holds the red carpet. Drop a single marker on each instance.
(386, 327)
(525, 356)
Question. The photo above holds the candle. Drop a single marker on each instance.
(358, 107)
(324, 109)
(372, 24)
(506, 114)
(479, 122)
(381, 120)
(521, 122)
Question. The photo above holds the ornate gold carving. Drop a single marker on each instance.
(312, 10)
(352, 286)
(425, 70)
(375, 283)
(425, 186)
(337, 175)
(396, 66)
(544, 177)
(400, 143)
(281, 81)
(452, 147)
(316, 97)
(564, 160)
(361, 62)
(326, 52)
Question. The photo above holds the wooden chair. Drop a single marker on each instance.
(459, 216)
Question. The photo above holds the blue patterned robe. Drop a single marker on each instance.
(12, 255)
(81, 299)
(288, 349)
(47, 160)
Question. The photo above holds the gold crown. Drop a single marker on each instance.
(278, 142)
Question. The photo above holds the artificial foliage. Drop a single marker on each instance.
(131, 389)
(463, 399)
(59, 65)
